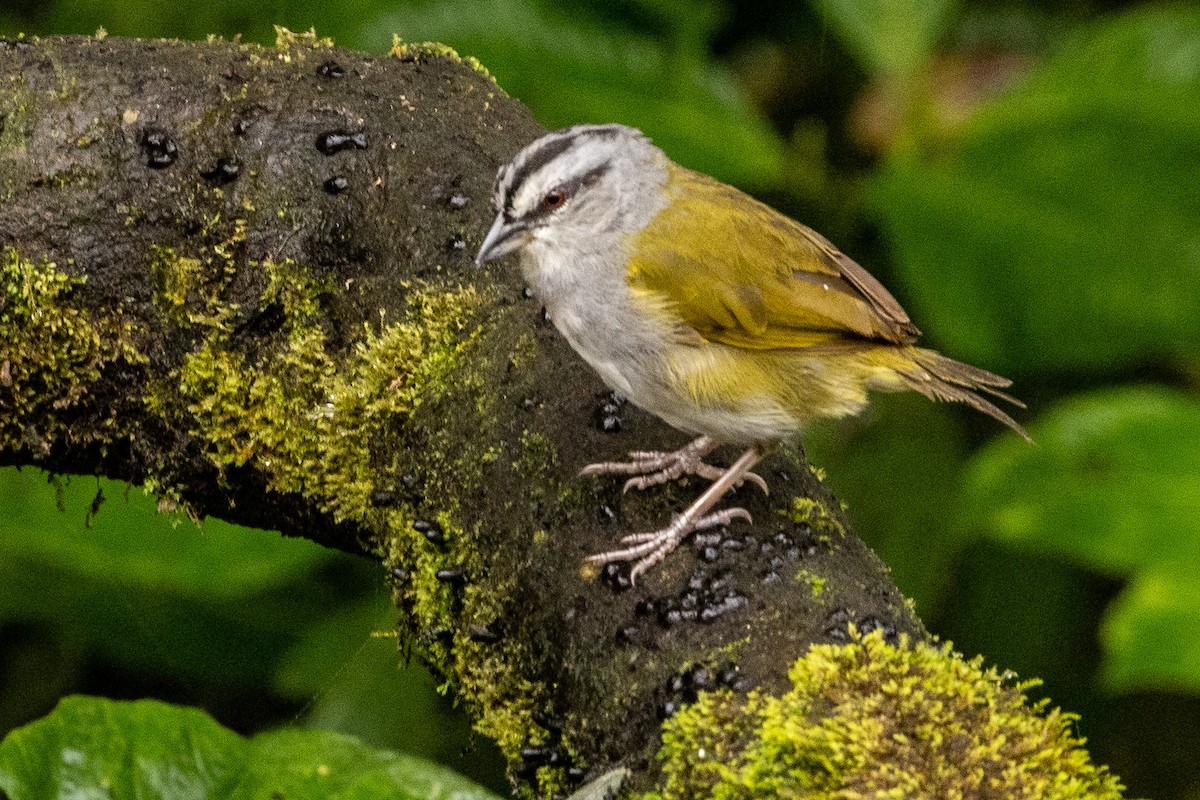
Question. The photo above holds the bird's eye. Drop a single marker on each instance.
(554, 199)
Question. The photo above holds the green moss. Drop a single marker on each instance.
(51, 352)
(816, 583)
(15, 106)
(303, 417)
(286, 40)
(327, 425)
(806, 511)
(868, 720)
(538, 456)
(415, 51)
(189, 289)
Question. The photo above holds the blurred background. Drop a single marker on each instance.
(1025, 176)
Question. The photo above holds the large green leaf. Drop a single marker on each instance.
(213, 602)
(1149, 632)
(127, 542)
(96, 748)
(1113, 484)
(1113, 481)
(1061, 229)
(893, 37)
(568, 69)
(344, 670)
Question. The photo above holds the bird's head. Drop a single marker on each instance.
(575, 191)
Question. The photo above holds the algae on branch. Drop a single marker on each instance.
(415, 51)
(51, 352)
(304, 416)
(866, 719)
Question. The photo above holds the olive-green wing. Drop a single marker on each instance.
(738, 272)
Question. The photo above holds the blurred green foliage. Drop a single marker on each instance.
(1114, 485)
(106, 595)
(149, 749)
(1022, 174)
(1055, 231)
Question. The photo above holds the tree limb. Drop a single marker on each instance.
(242, 277)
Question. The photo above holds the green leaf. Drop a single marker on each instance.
(894, 37)
(1113, 481)
(96, 748)
(1149, 632)
(126, 541)
(344, 670)
(151, 593)
(1061, 229)
(570, 69)
(1113, 484)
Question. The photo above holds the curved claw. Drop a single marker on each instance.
(647, 549)
(758, 481)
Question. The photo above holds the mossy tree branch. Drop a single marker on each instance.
(241, 276)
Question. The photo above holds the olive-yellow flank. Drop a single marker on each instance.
(705, 307)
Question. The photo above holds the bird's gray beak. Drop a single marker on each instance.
(502, 239)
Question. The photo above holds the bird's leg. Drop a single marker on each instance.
(649, 548)
(653, 467)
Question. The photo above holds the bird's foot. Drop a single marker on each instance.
(654, 467)
(647, 549)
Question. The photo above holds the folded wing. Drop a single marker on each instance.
(735, 271)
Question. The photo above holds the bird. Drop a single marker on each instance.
(707, 308)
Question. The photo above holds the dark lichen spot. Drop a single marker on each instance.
(439, 635)
(645, 608)
(484, 634)
(412, 487)
(452, 576)
(616, 576)
(707, 597)
(540, 756)
(332, 142)
(669, 614)
(160, 149)
(627, 635)
(384, 498)
(226, 170)
(837, 625)
(431, 531)
(337, 184)
(723, 606)
(685, 687)
(552, 724)
(871, 623)
(331, 69)
(608, 410)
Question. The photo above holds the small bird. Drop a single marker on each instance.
(705, 307)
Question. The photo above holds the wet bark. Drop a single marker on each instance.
(244, 242)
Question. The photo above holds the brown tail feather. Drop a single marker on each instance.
(941, 378)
